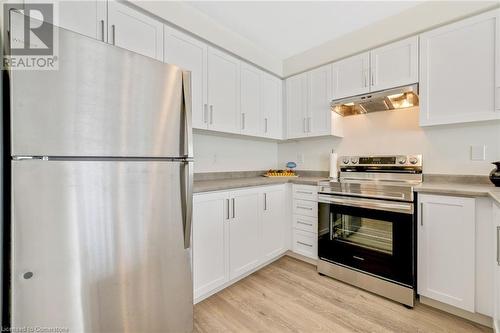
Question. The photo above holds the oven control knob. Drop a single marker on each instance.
(402, 159)
(345, 160)
(354, 160)
(413, 160)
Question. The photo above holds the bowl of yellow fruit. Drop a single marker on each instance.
(280, 173)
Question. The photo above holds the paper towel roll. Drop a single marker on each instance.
(333, 166)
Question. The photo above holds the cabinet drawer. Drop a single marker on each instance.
(305, 223)
(305, 243)
(305, 208)
(305, 192)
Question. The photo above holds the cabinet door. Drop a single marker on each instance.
(223, 91)
(296, 106)
(245, 230)
(272, 97)
(134, 31)
(273, 222)
(85, 17)
(210, 244)
(460, 71)
(351, 76)
(394, 65)
(190, 54)
(320, 96)
(446, 250)
(496, 235)
(250, 100)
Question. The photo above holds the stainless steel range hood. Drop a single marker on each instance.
(390, 99)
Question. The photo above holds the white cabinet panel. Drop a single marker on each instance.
(85, 17)
(296, 106)
(394, 65)
(273, 222)
(305, 223)
(209, 242)
(305, 192)
(134, 31)
(460, 71)
(245, 228)
(446, 250)
(496, 263)
(223, 91)
(305, 208)
(190, 54)
(250, 100)
(305, 243)
(271, 120)
(351, 76)
(319, 98)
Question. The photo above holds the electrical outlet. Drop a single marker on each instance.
(477, 152)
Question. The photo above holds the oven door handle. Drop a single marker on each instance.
(398, 207)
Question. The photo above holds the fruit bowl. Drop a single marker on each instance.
(280, 173)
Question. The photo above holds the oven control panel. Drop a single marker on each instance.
(382, 160)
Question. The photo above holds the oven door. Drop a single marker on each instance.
(374, 236)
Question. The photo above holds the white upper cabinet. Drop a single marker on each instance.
(245, 230)
(460, 71)
(223, 91)
(251, 99)
(273, 222)
(446, 250)
(134, 31)
(394, 65)
(296, 106)
(271, 96)
(319, 98)
(351, 76)
(190, 54)
(85, 17)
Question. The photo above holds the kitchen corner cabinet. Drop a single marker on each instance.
(190, 54)
(223, 91)
(496, 242)
(308, 105)
(446, 250)
(233, 233)
(134, 31)
(460, 71)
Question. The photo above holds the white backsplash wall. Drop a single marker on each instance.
(220, 152)
(445, 149)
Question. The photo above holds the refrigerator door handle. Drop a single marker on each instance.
(187, 203)
(188, 130)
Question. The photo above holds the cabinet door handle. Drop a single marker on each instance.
(234, 209)
(265, 125)
(113, 33)
(227, 209)
(303, 192)
(365, 78)
(303, 207)
(102, 30)
(265, 201)
(211, 114)
(373, 77)
(243, 121)
(498, 245)
(422, 214)
(205, 113)
(304, 125)
(304, 223)
(305, 244)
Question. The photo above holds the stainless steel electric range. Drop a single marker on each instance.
(366, 226)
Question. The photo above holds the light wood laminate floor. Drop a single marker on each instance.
(290, 296)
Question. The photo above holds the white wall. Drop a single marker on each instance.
(193, 20)
(446, 149)
(222, 152)
(410, 22)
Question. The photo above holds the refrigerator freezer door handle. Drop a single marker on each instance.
(188, 130)
(187, 203)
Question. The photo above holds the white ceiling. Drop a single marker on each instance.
(286, 28)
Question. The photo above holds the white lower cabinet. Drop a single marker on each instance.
(496, 265)
(305, 220)
(233, 233)
(446, 250)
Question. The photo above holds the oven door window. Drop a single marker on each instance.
(369, 233)
(377, 242)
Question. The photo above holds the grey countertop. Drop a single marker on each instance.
(231, 183)
(460, 189)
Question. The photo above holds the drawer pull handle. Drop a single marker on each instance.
(309, 224)
(303, 207)
(305, 244)
(358, 258)
(304, 192)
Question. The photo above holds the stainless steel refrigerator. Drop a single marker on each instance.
(101, 179)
